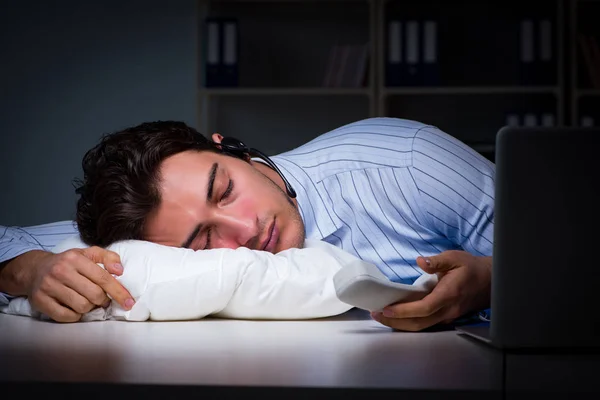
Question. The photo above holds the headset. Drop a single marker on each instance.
(237, 148)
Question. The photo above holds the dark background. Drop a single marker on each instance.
(74, 70)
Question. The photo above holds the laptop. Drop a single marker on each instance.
(546, 254)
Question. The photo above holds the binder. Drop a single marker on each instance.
(393, 66)
(548, 120)
(512, 120)
(230, 49)
(527, 55)
(530, 119)
(431, 75)
(212, 34)
(587, 121)
(546, 65)
(412, 75)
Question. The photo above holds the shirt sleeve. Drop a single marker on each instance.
(15, 240)
(456, 189)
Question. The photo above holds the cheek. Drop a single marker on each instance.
(247, 204)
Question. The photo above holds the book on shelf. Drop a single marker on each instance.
(590, 52)
(347, 66)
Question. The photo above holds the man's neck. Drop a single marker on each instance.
(272, 175)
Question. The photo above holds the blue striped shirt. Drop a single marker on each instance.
(384, 189)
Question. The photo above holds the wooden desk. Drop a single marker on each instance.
(348, 355)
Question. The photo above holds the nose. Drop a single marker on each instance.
(233, 230)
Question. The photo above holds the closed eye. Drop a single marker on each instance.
(208, 233)
(227, 191)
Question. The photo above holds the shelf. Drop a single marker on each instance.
(483, 147)
(471, 90)
(287, 1)
(315, 91)
(587, 92)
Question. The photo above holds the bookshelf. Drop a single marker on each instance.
(473, 80)
(585, 62)
(282, 98)
(285, 95)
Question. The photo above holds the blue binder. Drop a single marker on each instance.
(221, 38)
(394, 53)
(430, 63)
(230, 51)
(546, 65)
(411, 72)
(404, 53)
(212, 52)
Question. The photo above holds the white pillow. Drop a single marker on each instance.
(170, 283)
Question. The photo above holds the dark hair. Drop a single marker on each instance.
(120, 185)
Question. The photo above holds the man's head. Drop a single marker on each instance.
(166, 183)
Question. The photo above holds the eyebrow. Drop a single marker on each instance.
(209, 192)
(211, 180)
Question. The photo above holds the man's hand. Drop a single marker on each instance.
(464, 286)
(65, 286)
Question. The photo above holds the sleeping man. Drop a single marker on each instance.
(399, 194)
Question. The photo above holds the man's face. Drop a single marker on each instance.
(210, 200)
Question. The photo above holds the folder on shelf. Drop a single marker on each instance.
(222, 52)
(548, 120)
(394, 50)
(412, 75)
(586, 121)
(527, 52)
(229, 69)
(530, 120)
(411, 53)
(431, 72)
(546, 71)
(212, 59)
(512, 120)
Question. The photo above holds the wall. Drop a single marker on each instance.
(73, 70)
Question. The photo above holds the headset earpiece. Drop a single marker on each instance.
(237, 148)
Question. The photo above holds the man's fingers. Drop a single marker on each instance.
(410, 324)
(50, 307)
(114, 268)
(425, 307)
(442, 262)
(82, 285)
(107, 282)
(110, 259)
(73, 300)
(425, 264)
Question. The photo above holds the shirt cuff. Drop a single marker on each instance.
(16, 250)
(485, 315)
(5, 299)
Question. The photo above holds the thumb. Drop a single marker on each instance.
(110, 259)
(434, 264)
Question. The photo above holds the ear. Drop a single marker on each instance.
(217, 137)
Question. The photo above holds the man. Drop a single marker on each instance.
(401, 194)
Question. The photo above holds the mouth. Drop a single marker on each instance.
(272, 236)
